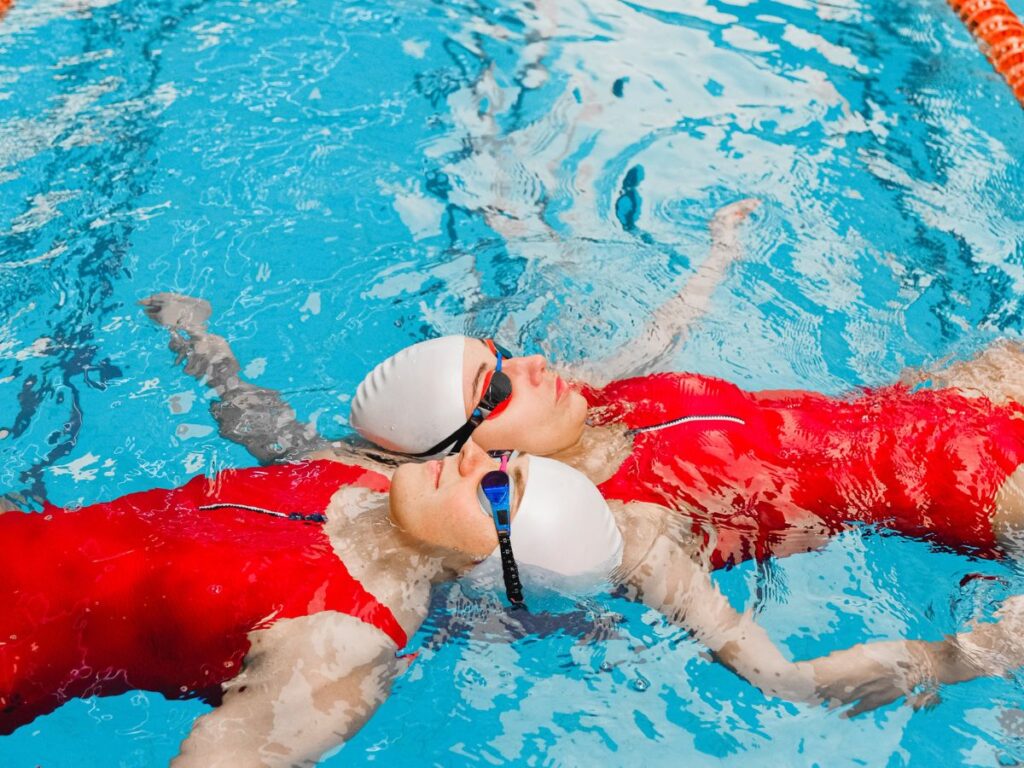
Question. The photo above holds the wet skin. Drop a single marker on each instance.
(436, 501)
(545, 414)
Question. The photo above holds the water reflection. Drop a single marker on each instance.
(341, 181)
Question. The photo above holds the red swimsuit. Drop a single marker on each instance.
(925, 463)
(150, 592)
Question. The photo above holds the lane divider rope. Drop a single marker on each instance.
(1001, 35)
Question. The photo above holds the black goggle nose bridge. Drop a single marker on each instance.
(501, 350)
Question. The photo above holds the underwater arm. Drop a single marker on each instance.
(873, 674)
(255, 417)
(670, 325)
(307, 686)
(658, 570)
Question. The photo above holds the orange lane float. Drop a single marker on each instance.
(5, 6)
(1001, 35)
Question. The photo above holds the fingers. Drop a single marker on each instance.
(739, 210)
(155, 298)
(924, 700)
(173, 310)
(865, 696)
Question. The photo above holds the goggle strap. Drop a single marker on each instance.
(458, 438)
(510, 571)
(452, 443)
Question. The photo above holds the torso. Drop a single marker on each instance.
(150, 591)
(926, 463)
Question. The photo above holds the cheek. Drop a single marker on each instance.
(531, 410)
(450, 523)
(467, 530)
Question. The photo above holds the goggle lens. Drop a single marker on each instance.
(495, 486)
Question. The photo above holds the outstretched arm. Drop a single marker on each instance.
(307, 685)
(255, 417)
(658, 570)
(859, 674)
(670, 325)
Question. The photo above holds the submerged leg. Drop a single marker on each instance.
(255, 417)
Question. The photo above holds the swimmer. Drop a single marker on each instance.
(774, 472)
(285, 594)
(941, 463)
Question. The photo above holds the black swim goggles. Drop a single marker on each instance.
(496, 397)
(496, 492)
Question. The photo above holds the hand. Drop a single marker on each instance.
(871, 676)
(177, 312)
(727, 218)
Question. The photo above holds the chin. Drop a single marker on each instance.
(578, 409)
(404, 476)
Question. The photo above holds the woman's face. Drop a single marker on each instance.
(436, 501)
(545, 414)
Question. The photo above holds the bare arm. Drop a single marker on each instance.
(255, 417)
(308, 684)
(669, 326)
(658, 570)
(859, 674)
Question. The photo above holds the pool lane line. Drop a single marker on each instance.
(1000, 34)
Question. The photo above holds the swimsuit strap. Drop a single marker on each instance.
(684, 420)
(314, 517)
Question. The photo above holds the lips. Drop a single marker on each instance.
(560, 388)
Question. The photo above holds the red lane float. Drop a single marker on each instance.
(1000, 34)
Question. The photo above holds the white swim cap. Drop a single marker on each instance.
(563, 527)
(413, 400)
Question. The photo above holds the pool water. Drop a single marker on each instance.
(342, 179)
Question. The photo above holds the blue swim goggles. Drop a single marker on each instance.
(496, 497)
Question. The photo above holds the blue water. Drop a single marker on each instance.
(342, 179)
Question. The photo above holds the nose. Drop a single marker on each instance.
(473, 458)
(531, 367)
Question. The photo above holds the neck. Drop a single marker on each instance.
(599, 452)
(349, 454)
(395, 568)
